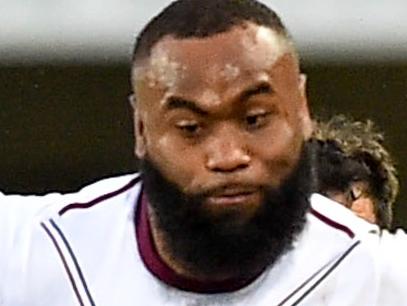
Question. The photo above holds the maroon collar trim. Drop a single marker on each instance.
(162, 271)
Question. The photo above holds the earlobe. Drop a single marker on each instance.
(132, 101)
(303, 84)
(139, 145)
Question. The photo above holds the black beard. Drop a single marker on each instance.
(211, 247)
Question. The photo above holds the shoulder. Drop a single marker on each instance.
(338, 220)
(48, 238)
(17, 213)
(334, 235)
(21, 207)
(98, 205)
(331, 231)
(372, 251)
(99, 193)
(20, 216)
(99, 215)
(323, 256)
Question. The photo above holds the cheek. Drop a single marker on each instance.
(278, 151)
(178, 162)
(364, 208)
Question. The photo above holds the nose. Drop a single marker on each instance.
(227, 154)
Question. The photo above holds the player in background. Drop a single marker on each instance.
(355, 169)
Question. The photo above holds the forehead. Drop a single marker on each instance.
(240, 43)
(220, 62)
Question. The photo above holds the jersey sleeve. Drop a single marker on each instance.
(16, 210)
(17, 214)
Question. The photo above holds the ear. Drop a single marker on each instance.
(138, 125)
(305, 118)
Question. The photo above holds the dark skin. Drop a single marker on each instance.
(219, 118)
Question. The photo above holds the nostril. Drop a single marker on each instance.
(228, 164)
(228, 155)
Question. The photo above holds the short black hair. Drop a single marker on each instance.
(204, 18)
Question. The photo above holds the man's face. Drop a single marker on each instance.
(222, 116)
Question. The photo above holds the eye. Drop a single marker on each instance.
(188, 128)
(257, 120)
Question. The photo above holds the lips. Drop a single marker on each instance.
(231, 196)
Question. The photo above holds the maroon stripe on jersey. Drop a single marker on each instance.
(61, 255)
(333, 223)
(100, 198)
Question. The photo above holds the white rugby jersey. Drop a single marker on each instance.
(94, 247)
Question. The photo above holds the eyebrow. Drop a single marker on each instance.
(175, 102)
(181, 103)
(261, 88)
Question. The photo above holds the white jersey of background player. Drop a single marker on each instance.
(86, 249)
(221, 122)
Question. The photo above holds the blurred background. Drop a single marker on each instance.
(64, 81)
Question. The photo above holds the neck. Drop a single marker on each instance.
(163, 248)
